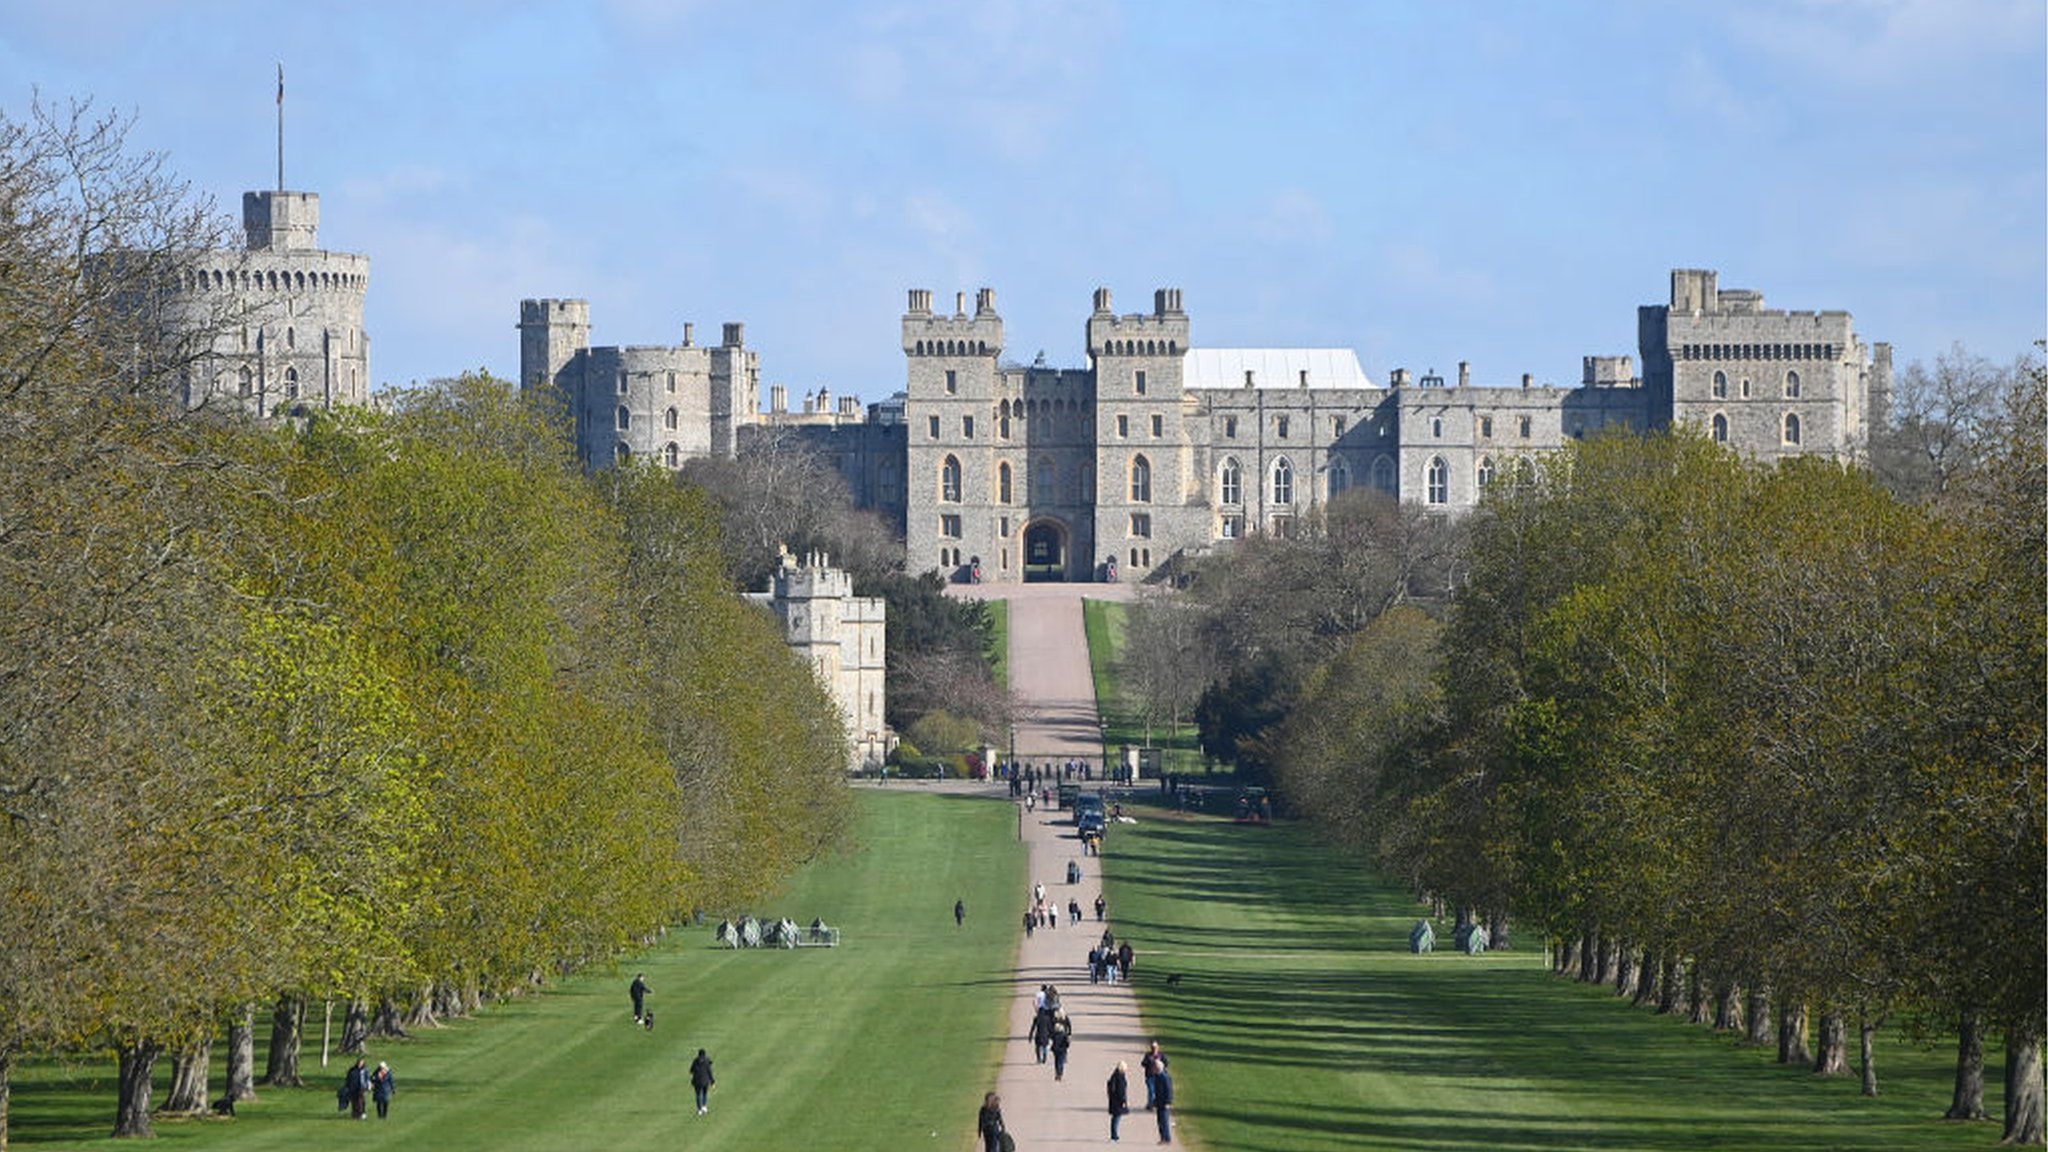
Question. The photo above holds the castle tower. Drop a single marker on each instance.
(551, 333)
(952, 409)
(282, 319)
(1145, 458)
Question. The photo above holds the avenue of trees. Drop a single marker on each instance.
(1761, 746)
(393, 709)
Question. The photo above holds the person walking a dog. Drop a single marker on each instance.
(639, 991)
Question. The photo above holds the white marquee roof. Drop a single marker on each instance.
(1273, 368)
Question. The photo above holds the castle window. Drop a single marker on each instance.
(291, 338)
(1485, 472)
(1233, 527)
(1336, 427)
(1486, 427)
(1141, 525)
(1134, 557)
(1791, 385)
(1141, 480)
(625, 418)
(291, 383)
(245, 383)
(672, 455)
(934, 426)
(1525, 427)
(1283, 482)
(671, 386)
(1158, 426)
(1436, 427)
(1086, 491)
(1792, 428)
(1003, 425)
(1123, 427)
(949, 527)
(1340, 478)
(952, 382)
(1141, 383)
(1383, 474)
(669, 419)
(1230, 427)
(1003, 483)
(1719, 429)
(967, 427)
(1044, 480)
(1232, 485)
(1280, 427)
(622, 383)
(1437, 481)
(949, 480)
(1745, 387)
(1720, 385)
(1003, 526)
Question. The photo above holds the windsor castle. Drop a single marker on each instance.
(1156, 448)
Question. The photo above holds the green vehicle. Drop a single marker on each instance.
(1087, 808)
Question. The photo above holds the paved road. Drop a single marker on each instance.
(1049, 674)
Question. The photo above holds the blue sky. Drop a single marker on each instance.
(1501, 183)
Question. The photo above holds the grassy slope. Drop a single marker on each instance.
(1302, 1023)
(1105, 621)
(881, 1041)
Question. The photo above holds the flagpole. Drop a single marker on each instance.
(280, 126)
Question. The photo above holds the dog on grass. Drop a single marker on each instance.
(647, 1021)
(1173, 980)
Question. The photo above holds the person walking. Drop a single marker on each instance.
(1041, 1032)
(1162, 1097)
(989, 1125)
(959, 913)
(382, 1086)
(702, 1080)
(1153, 1064)
(1119, 1096)
(1125, 954)
(356, 1086)
(639, 990)
(1073, 911)
(1101, 906)
(1062, 1039)
(1030, 922)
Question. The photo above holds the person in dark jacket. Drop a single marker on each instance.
(356, 1086)
(1119, 1097)
(382, 1086)
(1062, 1039)
(989, 1125)
(1125, 955)
(1041, 1032)
(639, 991)
(701, 1080)
(959, 913)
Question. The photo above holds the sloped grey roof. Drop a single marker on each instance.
(1273, 368)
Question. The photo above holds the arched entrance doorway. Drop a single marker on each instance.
(1045, 551)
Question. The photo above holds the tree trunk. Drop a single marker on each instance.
(2023, 1123)
(1669, 984)
(1866, 1032)
(387, 1022)
(1603, 968)
(1727, 1007)
(1589, 947)
(242, 1055)
(1830, 1059)
(131, 1113)
(1568, 956)
(286, 1025)
(1792, 1047)
(1968, 1101)
(1697, 1009)
(6, 1091)
(420, 1014)
(189, 1067)
(356, 1028)
(1625, 970)
(1759, 1013)
(1497, 932)
(1646, 978)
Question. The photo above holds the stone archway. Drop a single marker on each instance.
(1047, 552)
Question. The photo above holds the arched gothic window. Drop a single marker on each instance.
(1720, 385)
(668, 420)
(291, 383)
(1720, 428)
(1003, 483)
(1792, 428)
(1485, 472)
(1283, 482)
(1232, 485)
(1141, 480)
(1437, 481)
(1792, 385)
(949, 480)
(1340, 478)
(1383, 474)
(672, 455)
(625, 418)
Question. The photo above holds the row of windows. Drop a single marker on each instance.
(671, 455)
(283, 282)
(1757, 352)
(950, 348)
(671, 385)
(1791, 386)
(1141, 348)
(670, 419)
(1790, 431)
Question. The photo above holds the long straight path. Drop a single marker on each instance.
(1049, 674)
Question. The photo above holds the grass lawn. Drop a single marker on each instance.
(1301, 1022)
(872, 1045)
(998, 638)
(1124, 723)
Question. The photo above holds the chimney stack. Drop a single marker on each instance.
(1528, 378)
(689, 334)
(959, 305)
(921, 301)
(985, 302)
(778, 398)
(1464, 374)
(735, 334)
(1102, 302)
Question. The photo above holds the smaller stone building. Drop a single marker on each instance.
(843, 638)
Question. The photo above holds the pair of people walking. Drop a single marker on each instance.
(362, 1085)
